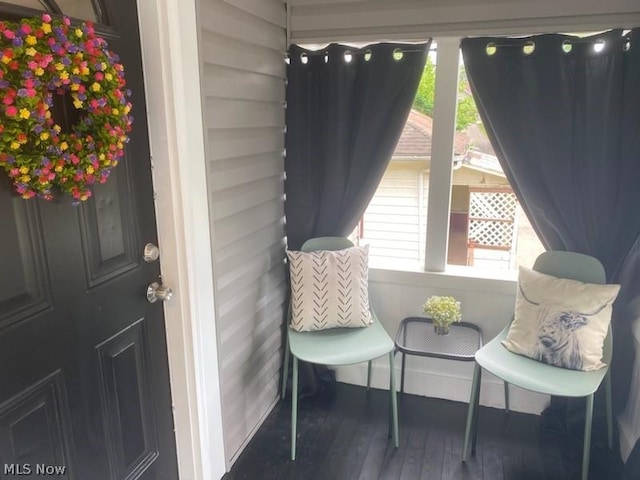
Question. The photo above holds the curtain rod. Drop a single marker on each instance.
(527, 42)
(519, 42)
(360, 52)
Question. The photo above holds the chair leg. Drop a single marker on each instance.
(394, 400)
(402, 374)
(475, 388)
(586, 452)
(506, 397)
(369, 375)
(474, 427)
(609, 407)
(285, 367)
(294, 407)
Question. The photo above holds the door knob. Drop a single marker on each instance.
(156, 292)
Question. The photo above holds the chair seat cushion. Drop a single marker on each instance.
(560, 321)
(329, 289)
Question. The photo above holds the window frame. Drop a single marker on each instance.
(441, 177)
(442, 151)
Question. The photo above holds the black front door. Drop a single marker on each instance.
(84, 382)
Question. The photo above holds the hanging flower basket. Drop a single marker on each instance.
(39, 59)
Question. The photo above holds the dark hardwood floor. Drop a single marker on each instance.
(346, 437)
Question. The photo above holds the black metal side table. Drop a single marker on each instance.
(416, 336)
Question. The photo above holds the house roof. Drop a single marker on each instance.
(415, 140)
(471, 146)
(478, 139)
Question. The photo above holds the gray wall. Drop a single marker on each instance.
(242, 45)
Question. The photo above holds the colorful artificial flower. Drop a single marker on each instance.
(42, 57)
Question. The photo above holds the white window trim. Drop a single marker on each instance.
(491, 282)
(436, 270)
(442, 138)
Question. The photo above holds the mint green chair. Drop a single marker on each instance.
(337, 346)
(540, 377)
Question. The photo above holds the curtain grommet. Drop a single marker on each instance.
(529, 47)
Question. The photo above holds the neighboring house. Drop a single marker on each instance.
(485, 222)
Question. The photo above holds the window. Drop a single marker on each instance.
(394, 224)
(444, 189)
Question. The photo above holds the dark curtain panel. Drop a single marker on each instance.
(564, 121)
(346, 108)
(344, 119)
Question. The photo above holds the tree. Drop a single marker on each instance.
(467, 111)
(426, 88)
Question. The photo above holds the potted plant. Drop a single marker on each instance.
(443, 311)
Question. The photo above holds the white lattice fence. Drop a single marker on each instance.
(492, 218)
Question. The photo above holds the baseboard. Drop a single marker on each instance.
(454, 385)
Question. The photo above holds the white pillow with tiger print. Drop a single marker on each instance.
(559, 321)
(329, 288)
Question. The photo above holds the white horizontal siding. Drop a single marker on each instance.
(224, 19)
(269, 10)
(244, 303)
(230, 230)
(394, 222)
(243, 87)
(234, 113)
(243, 197)
(258, 241)
(250, 352)
(401, 226)
(225, 51)
(241, 326)
(226, 82)
(334, 20)
(243, 141)
(239, 171)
